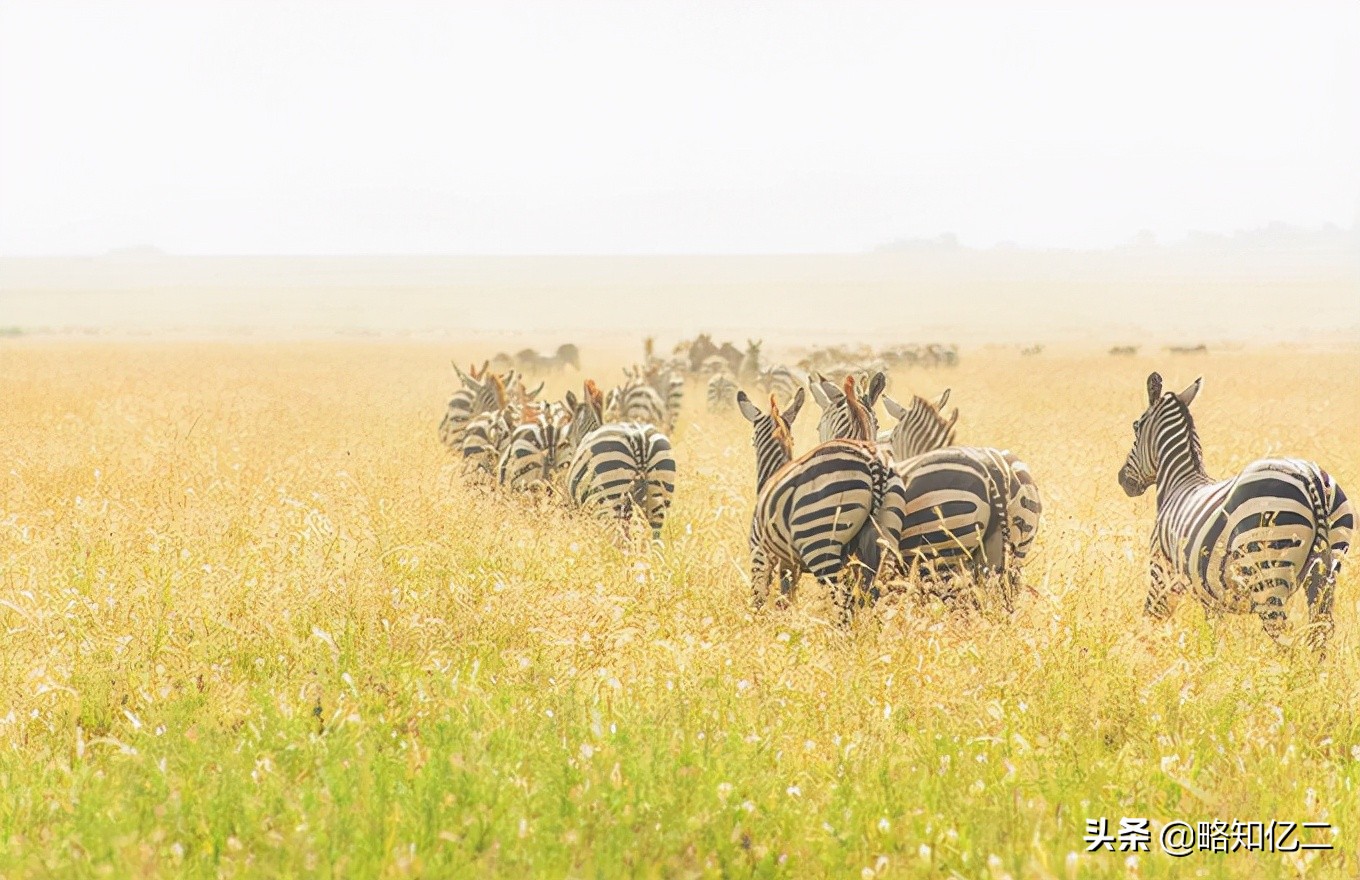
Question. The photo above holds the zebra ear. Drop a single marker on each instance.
(819, 392)
(1154, 386)
(464, 377)
(944, 398)
(876, 386)
(748, 409)
(895, 409)
(1188, 395)
(791, 412)
(571, 400)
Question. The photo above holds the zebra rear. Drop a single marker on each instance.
(840, 501)
(620, 469)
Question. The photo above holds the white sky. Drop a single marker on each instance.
(638, 127)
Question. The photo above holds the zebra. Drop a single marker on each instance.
(922, 429)
(781, 381)
(721, 389)
(531, 361)
(637, 401)
(670, 387)
(486, 434)
(537, 450)
(474, 397)
(840, 500)
(957, 524)
(846, 414)
(698, 351)
(620, 467)
(478, 395)
(749, 368)
(955, 520)
(1244, 544)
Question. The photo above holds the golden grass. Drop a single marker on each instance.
(256, 625)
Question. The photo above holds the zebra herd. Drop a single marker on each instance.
(607, 456)
(866, 505)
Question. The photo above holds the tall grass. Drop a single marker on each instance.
(255, 624)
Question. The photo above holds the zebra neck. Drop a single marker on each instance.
(770, 457)
(1178, 469)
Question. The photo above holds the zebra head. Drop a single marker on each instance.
(921, 427)
(587, 414)
(772, 440)
(1163, 435)
(847, 413)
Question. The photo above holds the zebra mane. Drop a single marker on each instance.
(929, 412)
(779, 429)
(857, 410)
(498, 387)
(594, 395)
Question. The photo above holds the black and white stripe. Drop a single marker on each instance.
(840, 501)
(1244, 544)
(623, 469)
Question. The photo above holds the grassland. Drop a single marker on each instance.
(255, 625)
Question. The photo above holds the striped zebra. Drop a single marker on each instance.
(839, 501)
(670, 386)
(920, 427)
(721, 389)
(487, 433)
(479, 395)
(957, 525)
(476, 396)
(638, 401)
(973, 510)
(846, 413)
(782, 381)
(1244, 544)
(620, 468)
(537, 450)
(955, 522)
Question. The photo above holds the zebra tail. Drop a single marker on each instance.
(883, 528)
(1320, 553)
(998, 498)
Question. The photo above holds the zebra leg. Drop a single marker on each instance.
(1320, 589)
(788, 582)
(1164, 590)
(1268, 595)
(760, 579)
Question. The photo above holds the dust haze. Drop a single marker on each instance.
(1145, 295)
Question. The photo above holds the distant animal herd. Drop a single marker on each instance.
(865, 505)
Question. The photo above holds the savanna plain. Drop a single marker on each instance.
(256, 623)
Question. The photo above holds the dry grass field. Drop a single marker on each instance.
(256, 624)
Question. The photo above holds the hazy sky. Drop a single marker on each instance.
(565, 127)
